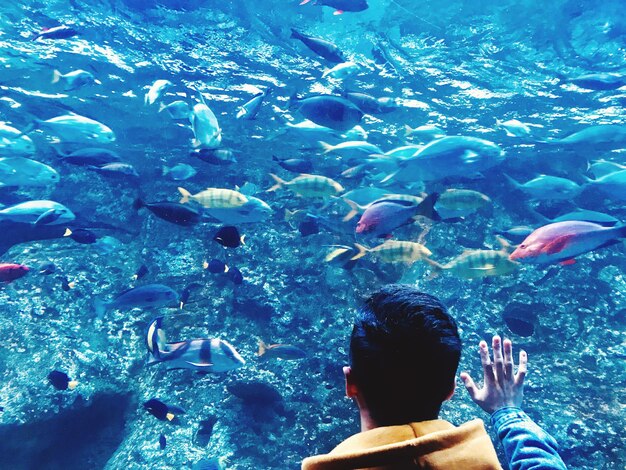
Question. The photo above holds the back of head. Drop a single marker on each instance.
(404, 352)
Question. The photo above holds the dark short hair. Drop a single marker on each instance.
(404, 353)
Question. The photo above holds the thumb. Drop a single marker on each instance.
(469, 384)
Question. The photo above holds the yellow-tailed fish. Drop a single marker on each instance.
(472, 264)
(309, 185)
(395, 251)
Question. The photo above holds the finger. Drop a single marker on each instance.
(498, 363)
(486, 362)
(521, 370)
(471, 387)
(508, 359)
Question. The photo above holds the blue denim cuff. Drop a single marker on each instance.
(508, 415)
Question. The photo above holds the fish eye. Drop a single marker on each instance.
(523, 245)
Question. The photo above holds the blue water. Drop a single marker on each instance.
(462, 66)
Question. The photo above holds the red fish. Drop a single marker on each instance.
(10, 272)
(561, 242)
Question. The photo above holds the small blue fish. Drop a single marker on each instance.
(180, 172)
(235, 275)
(148, 296)
(216, 266)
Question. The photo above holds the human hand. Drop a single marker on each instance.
(501, 387)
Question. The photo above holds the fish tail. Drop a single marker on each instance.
(408, 130)
(504, 243)
(295, 34)
(100, 307)
(138, 204)
(427, 209)
(326, 147)
(436, 269)
(162, 106)
(164, 170)
(262, 348)
(67, 233)
(186, 195)
(362, 252)
(304, 2)
(56, 76)
(354, 210)
(511, 180)
(155, 341)
(34, 125)
(289, 215)
(293, 99)
(279, 183)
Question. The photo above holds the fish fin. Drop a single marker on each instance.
(338, 12)
(362, 252)
(389, 177)
(355, 208)
(326, 146)
(427, 209)
(557, 245)
(568, 262)
(186, 195)
(279, 183)
(198, 365)
(56, 76)
(335, 253)
(262, 348)
(487, 267)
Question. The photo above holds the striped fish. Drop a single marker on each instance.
(207, 355)
(215, 198)
(395, 251)
(309, 185)
(472, 264)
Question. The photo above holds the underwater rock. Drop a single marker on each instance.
(84, 436)
(521, 318)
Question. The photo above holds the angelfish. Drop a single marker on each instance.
(561, 242)
(205, 355)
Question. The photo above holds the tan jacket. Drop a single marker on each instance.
(435, 444)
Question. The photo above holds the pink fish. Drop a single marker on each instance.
(9, 271)
(561, 242)
(383, 216)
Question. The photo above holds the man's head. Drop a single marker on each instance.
(404, 353)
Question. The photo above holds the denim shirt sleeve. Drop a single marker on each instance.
(526, 445)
